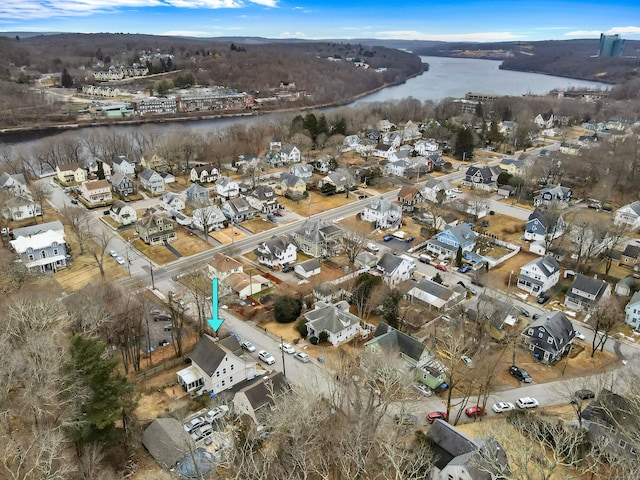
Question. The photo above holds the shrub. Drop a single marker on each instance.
(313, 340)
(323, 336)
(286, 309)
(302, 329)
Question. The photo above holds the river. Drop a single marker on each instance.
(447, 77)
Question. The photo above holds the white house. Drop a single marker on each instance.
(217, 366)
(122, 213)
(276, 252)
(221, 266)
(20, 207)
(386, 214)
(96, 192)
(432, 188)
(151, 181)
(71, 173)
(628, 216)
(426, 147)
(226, 187)
(333, 320)
(585, 292)
(245, 285)
(172, 201)
(434, 294)
(290, 154)
(41, 246)
(211, 215)
(632, 311)
(121, 164)
(204, 173)
(307, 269)
(14, 183)
(395, 268)
(539, 275)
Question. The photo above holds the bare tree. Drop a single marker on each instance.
(200, 291)
(604, 318)
(353, 244)
(98, 246)
(205, 212)
(40, 192)
(78, 221)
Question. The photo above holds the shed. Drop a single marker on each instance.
(166, 441)
(308, 269)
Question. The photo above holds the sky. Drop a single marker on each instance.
(441, 20)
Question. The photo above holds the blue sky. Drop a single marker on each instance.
(446, 20)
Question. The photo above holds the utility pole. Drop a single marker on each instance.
(284, 367)
(153, 284)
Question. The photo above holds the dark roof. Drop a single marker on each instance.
(208, 354)
(632, 251)
(260, 393)
(166, 441)
(389, 263)
(558, 326)
(588, 284)
(391, 339)
(448, 443)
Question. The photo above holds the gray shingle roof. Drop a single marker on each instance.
(390, 340)
(166, 441)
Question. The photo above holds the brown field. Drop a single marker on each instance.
(83, 270)
(506, 228)
(186, 244)
(225, 237)
(257, 225)
(316, 203)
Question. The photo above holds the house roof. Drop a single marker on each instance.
(208, 353)
(263, 192)
(35, 229)
(150, 218)
(275, 246)
(166, 441)
(589, 284)
(635, 207)
(117, 206)
(461, 232)
(493, 310)
(635, 299)
(119, 159)
(432, 288)
(118, 177)
(408, 192)
(326, 288)
(331, 317)
(147, 174)
(223, 263)
(632, 251)
(548, 265)
(390, 340)
(65, 167)
(224, 181)
(389, 262)
(239, 281)
(448, 443)
(260, 392)
(612, 410)
(38, 241)
(96, 185)
(310, 265)
(557, 325)
(317, 230)
(168, 197)
(289, 179)
(546, 218)
(196, 189)
(209, 168)
(7, 178)
(383, 205)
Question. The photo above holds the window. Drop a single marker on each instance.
(530, 331)
(223, 383)
(224, 371)
(622, 444)
(539, 334)
(55, 251)
(31, 257)
(230, 379)
(550, 340)
(217, 374)
(231, 368)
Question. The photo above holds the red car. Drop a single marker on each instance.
(475, 411)
(441, 267)
(433, 416)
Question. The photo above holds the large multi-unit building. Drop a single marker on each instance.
(610, 46)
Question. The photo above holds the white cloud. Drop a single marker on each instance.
(292, 35)
(187, 33)
(451, 37)
(631, 30)
(27, 9)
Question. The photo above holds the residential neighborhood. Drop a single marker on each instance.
(380, 273)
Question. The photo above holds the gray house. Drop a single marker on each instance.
(318, 238)
(549, 337)
(122, 184)
(334, 320)
(585, 292)
(196, 192)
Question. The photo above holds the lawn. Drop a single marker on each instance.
(506, 228)
(228, 235)
(187, 244)
(316, 202)
(258, 225)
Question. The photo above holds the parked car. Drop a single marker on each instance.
(465, 268)
(193, 424)
(423, 390)
(409, 239)
(425, 258)
(468, 361)
(475, 411)
(113, 253)
(542, 299)
(163, 343)
(248, 346)
(595, 206)
(287, 348)
(441, 267)
(373, 247)
(527, 402)
(524, 312)
(456, 190)
(277, 213)
(120, 260)
(216, 413)
(74, 201)
(580, 335)
(287, 268)
(266, 357)
(158, 315)
(502, 407)
(303, 357)
(183, 305)
(201, 433)
(477, 283)
(433, 416)
(536, 316)
(405, 419)
(584, 394)
(520, 373)
(388, 238)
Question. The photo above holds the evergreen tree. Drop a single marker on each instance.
(464, 144)
(66, 80)
(97, 387)
(286, 309)
(459, 257)
(391, 308)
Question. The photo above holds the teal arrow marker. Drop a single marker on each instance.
(215, 321)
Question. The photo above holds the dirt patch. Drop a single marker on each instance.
(506, 228)
(257, 225)
(316, 203)
(228, 235)
(498, 277)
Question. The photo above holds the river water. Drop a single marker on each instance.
(447, 77)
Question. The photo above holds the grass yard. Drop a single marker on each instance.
(228, 235)
(83, 270)
(506, 228)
